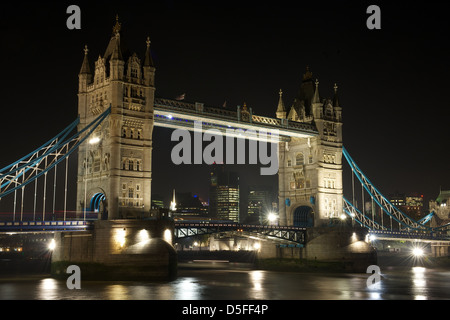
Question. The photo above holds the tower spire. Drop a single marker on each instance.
(281, 110)
(316, 98)
(336, 98)
(148, 62)
(85, 69)
(118, 26)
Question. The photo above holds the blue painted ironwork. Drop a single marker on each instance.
(44, 226)
(59, 148)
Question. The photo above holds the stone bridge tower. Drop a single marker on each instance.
(310, 169)
(114, 166)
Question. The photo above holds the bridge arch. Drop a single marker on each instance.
(97, 202)
(302, 215)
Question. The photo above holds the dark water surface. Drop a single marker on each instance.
(397, 283)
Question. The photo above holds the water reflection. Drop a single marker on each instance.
(413, 283)
(257, 278)
(187, 289)
(47, 289)
(419, 283)
(118, 292)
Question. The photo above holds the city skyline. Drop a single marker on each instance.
(390, 80)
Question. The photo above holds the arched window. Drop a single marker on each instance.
(131, 165)
(299, 160)
(138, 165)
(130, 193)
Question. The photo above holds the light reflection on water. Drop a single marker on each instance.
(415, 283)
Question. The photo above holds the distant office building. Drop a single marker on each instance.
(189, 205)
(397, 199)
(414, 206)
(410, 204)
(157, 201)
(224, 194)
(260, 203)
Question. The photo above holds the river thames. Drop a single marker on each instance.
(241, 283)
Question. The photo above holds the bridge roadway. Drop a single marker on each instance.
(182, 229)
(188, 229)
(289, 234)
(408, 236)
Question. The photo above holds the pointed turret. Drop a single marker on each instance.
(85, 75)
(114, 49)
(149, 68)
(281, 110)
(336, 98)
(316, 104)
(336, 105)
(316, 97)
(85, 69)
(114, 54)
(148, 62)
(117, 52)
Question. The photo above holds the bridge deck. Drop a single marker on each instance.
(178, 114)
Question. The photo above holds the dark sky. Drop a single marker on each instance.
(393, 82)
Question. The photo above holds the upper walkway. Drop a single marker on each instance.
(180, 114)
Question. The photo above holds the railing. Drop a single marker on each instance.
(44, 226)
(198, 108)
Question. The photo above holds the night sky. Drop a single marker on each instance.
(393, 83)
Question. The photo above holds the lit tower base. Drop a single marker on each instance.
(118, 250)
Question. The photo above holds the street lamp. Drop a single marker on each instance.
(272, 218)
(94, 140)
(417, 252)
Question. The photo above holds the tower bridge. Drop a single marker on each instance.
(118, 111)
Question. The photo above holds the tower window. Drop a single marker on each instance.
(131, 165)
(299, 159)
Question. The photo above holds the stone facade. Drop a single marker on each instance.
(118, 250)
(310, 169)
(441, 208)
(117, 163)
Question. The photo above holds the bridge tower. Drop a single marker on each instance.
(310, 169)
(114, 166)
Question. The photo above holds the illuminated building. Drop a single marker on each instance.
(189, 205)
(397, 199)
(411, 204)
(259, 203)
(224, 195)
